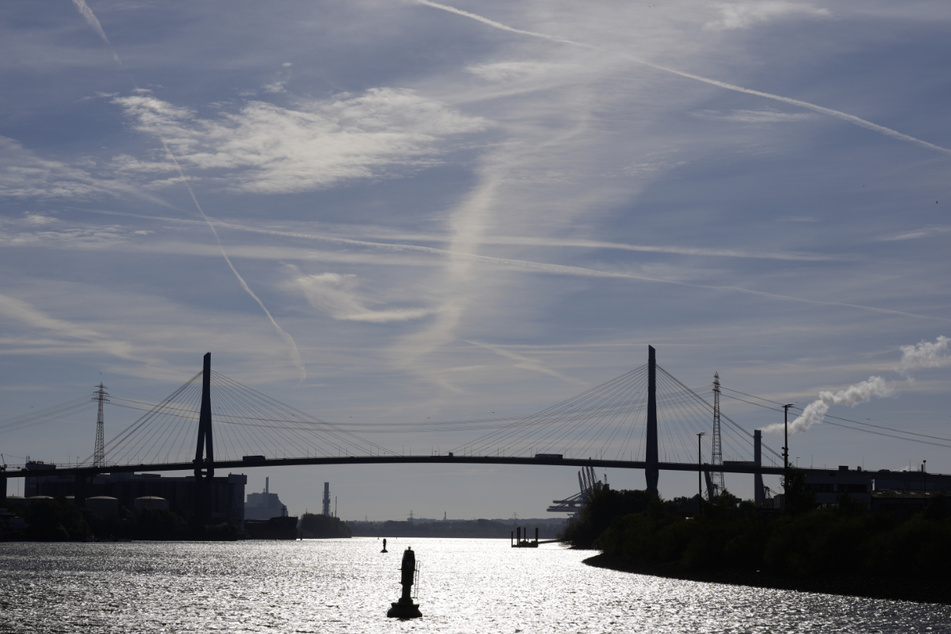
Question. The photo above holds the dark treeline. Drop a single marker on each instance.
(461, 528)
(482, 528)
(842, 550)
(322, 527)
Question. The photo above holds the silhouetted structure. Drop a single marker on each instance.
(223, 497)
(651, 470)
(875, 490)
(405, 608)
(264, 506)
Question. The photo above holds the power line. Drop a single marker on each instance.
(879, 433)
(901, 433)
(404, 427)
(890, 429)
(45, 415)
(777, 403)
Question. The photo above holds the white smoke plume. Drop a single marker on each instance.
(874, 386)
(926, 355)
(921, 355)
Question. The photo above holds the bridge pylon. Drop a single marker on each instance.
(651, 468)
(204, 452)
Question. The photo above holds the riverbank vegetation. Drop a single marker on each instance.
(842, 550)
(548, 528)
(314, 526)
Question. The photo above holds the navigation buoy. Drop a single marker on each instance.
(405, 608)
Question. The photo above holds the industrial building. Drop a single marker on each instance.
(876, 490)
(264, 506)
(223, 500)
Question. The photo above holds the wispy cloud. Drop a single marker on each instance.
(528, 363)
(133, 334)
(516, 71)
(338, 295)
(59, 335)
(918, 234)
(22, 311)
(38, 230)
(25, 175)
(265, 148)
(742, 15)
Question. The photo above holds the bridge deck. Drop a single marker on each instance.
(424, 459)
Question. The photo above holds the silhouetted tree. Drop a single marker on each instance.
(322, 526)
(798, 498)
(604, 506)
(54, 520)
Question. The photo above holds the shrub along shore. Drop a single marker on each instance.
(842, 550)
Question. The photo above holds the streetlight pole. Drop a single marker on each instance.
(700, 436)
(786, 436)
(786, 452)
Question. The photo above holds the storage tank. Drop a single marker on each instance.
(34, 499)
(102, 506)
(151, 502)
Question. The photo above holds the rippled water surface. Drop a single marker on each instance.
(466, 586)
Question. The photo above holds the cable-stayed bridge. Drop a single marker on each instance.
(645, 419)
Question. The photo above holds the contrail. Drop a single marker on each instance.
(546, 267)
(93, 22)
(295, 352)
(543, 242)
(838, 114)
(844, 116)
(503, 27)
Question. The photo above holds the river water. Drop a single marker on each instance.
(466, 586)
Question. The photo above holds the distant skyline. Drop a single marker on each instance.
(393, 212)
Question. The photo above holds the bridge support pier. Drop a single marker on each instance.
(759, 491)
(80, 488)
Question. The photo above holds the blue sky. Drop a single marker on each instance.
(384, 212)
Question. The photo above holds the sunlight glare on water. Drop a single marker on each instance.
(466, 585)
